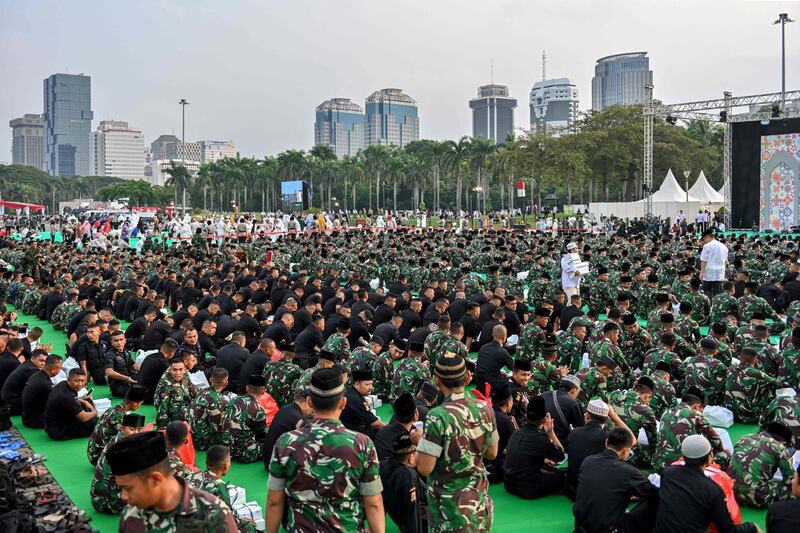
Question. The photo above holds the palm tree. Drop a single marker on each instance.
(482, 150)
(396, 167)
(180, 178)
(204, 180)
(375, 159)
(456, 156)
(266, 175)
(353, 171)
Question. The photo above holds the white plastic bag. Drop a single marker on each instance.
(787, 392)
(642, 438)
(718, 416)
(142, 355)
(102, 405)
(199, 380)
(727, 443)
(522, 276)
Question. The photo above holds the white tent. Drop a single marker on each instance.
(670, 191)
(704, 192)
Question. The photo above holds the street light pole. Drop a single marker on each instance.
(183, 102)
(783, 19)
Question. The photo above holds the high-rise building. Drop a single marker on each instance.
(158, 169)
(170, 147)
(391, 118)
(554, 106)
(339, 124)
(620, 79)
(211, 151)
(67, 124)
(27, 141)
(493, 113)
(116, 150)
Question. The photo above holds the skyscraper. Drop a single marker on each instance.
(211, 151)
(339, 124)
(620, 79)
(27, 141)
(554, 106)
(116, 150)
(493, 113)
(170, 147)
(391, 118)
(67, 124)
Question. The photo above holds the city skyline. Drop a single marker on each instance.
(234, 96)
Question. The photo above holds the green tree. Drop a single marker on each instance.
(180, 178)
(456, 158)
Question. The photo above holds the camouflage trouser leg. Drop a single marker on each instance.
(764, 495)
(252, 452)
(466, 512)
(643, 456)
(722, 459)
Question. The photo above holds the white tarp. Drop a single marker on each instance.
(704, 192)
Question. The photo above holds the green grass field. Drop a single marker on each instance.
(68, 463)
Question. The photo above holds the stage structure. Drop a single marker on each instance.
(771, 108)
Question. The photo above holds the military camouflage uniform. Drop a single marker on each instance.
(338, 344)
(433, 343)
(755, 460)
(789, 370)
(104, 492)
(176, 464)
(636, 414)
(544, 377)
(707, 374)
(282, 380)
(212, 484)
(768, 357)
(205, 415)
(748, 391)
(660, 354)
(361, 358)
(172, 399)
(721, 305)
(641, 342)
(750, 303)
(106, 428)
(325, 469)
(62, 314)
(409, 376)
(786, 410)
(458, 433)
(570, 351)
(663, 395)
(594, 384)
(382, 373)
(531, 338)
(245, 425)
(197, 511)
(678, 423)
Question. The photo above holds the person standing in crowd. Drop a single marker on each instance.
(713, 264)
(404, 494)
(570, 277)
(458, 435)
(311, 497)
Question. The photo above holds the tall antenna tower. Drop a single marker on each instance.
(491, 70)
(544, 65)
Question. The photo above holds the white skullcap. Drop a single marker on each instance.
(695, 447)
(597, 407)
(571, 245)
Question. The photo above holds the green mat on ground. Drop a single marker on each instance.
(68, 463)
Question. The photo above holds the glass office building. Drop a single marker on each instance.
(67, 124)
(391, 118)
(493, 113)
(339, 124)
(620, 79)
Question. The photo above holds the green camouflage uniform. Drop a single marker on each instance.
(570, 351)
(750, 303)
(539, 290)
(197, 511)
(104, 492)
(382, 373)
(601, 295)
(531, 339)
(338, 344)
(619, 378)
(721, 305)
(172, 399)
(748, 391)
(654, 319)
(62, 314)
(789, 370)
(660, 354)
(769, 360)
(245, 425)
(176, 464)
(707, 374)
(458, 432)
(212, 484)
(409, 376)
(594, 384)
(687, 328)
(360, 358)
(637, 415)
(30, 301)
(755, 460)
(701, 307)
(205, 415)
(678, 423)
(640, 343)
(663, 395)
(544, 377)
(325, 470)
(433, 343)
(282, 380)
(785, 409)
(106, 429)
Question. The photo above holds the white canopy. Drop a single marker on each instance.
(704, 192)
(670, 191)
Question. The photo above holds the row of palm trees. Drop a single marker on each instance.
(421, 169)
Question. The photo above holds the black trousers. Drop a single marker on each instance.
(546, 483)
(641, 518)
(712, 288)
(118, 388)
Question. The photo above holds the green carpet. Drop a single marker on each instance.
(68, 463)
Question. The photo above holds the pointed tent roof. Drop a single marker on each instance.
(670, 191)
(704, 192)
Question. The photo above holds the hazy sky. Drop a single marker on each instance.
(255, 70)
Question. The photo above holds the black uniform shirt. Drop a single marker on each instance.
(356, 414)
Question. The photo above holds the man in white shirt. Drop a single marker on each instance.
(570, 278)
(713, 262)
